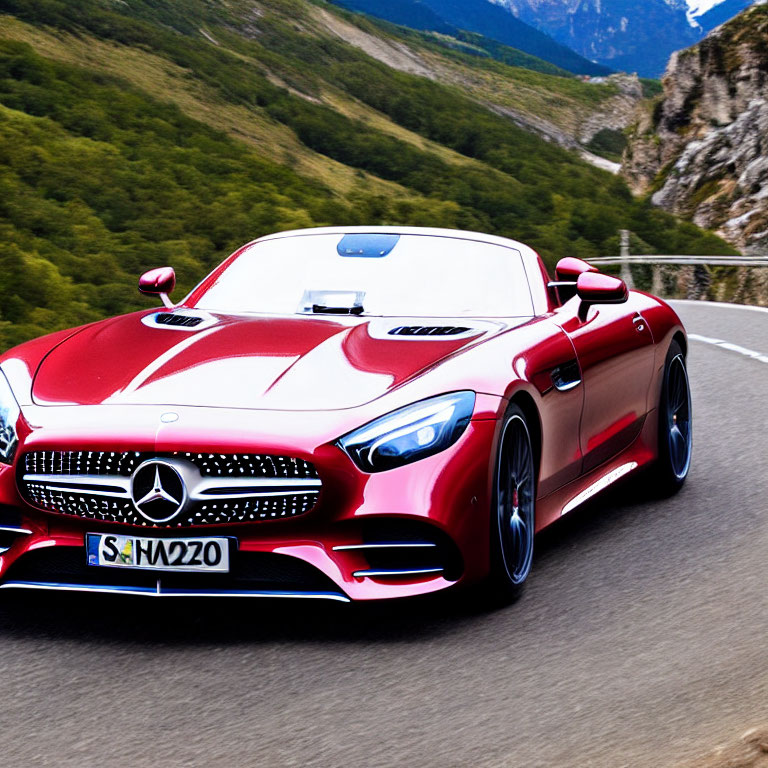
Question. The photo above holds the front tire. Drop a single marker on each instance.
(675, 425)
(513, 511)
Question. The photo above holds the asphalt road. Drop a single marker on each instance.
(640, 641)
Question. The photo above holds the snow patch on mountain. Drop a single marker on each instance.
(699, 8)
(630, 35)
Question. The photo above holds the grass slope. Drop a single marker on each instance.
(480, 17)
(145, 133)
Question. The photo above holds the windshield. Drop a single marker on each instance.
(373, 274)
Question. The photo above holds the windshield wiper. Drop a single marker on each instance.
(332, 302)
(322, 309)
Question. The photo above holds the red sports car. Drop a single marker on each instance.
(349, 414)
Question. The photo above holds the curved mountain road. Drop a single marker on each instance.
(641, 640)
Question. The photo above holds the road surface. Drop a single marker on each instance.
(640, 641)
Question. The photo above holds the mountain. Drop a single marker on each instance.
(700, 148)
(479, 16)
(138, 134)
(623, 34)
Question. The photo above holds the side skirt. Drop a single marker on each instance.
(640, 453)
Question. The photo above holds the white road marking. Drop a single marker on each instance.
(723, 304)
(751, 353)
(759, 356)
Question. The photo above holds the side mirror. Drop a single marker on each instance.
(569, 268)
(595, 288)
(567, 273)
(158, 282)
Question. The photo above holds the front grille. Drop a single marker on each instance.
(221, 488)
(249, 571)
(95, 507)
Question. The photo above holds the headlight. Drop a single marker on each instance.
(9, 416)
(410, 434)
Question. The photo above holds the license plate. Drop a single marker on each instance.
(204, 554)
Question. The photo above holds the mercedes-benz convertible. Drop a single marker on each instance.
(340, 413)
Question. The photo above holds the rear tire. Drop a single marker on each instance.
(675, 442)
(513, 509)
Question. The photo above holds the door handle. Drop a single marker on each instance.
(639, 322)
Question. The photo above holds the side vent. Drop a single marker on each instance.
(166, 318)
(429, 330)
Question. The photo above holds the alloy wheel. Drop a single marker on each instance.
(515, 494)
(678, 402)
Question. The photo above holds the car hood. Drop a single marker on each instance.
(280, 363)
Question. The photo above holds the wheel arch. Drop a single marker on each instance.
(680, 338)
(527, 405)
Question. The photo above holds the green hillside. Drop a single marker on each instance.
(140, 133)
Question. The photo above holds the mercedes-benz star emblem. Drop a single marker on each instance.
(157, 491)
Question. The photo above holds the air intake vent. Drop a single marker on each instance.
(184, 321)
(166, 318)
(429, 330)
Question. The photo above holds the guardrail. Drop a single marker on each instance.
(712, 261)
(694, 276)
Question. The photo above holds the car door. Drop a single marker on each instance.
(614, 347)
(544, 355)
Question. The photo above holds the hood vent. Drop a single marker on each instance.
(429, 330)
(180, 320)
(422, 329)
(166, 318)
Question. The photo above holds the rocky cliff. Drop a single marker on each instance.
(702, 148)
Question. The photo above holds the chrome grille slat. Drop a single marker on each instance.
(205, 488)
(392, 572)
(125, 462)
(386, 545)
(226, 488)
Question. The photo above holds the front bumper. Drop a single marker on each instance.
(409, 531)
